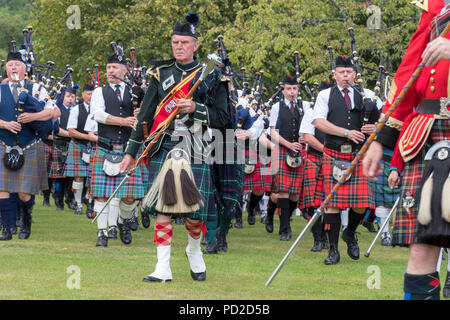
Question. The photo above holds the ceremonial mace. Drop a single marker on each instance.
(213, 61)
(321, 209)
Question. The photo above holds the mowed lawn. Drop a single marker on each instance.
(61, 256)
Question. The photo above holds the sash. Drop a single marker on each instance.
(169, 103)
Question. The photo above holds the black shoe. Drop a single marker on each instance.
(102, 241)
(269, 225)
(149, 278)
(13, 230)
(212, 248)
(134, 224)
(238, 223)
(112, 233)
(385, 239)
(200, 276)
(333, 256)
(251, 219)
(89, 212)
(71, 204)
(25, 231)
(352, 244)
(369, 226)
(124, 231)
(286, 236)
(78, 211)
(5, 236)
(46, 202)
(325, 244)
(59, 205)
(222, 244)
(317, 246)
(145, 219)
(446, 290)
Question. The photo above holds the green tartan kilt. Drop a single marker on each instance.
(202, 176)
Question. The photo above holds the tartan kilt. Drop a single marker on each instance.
(405, 228)
(103, 185)
(287, 179)
(312, 190)
(254, 181)
(59, 156)
(144, 171)
(384, 196)
(355, 193)
(229, 182)
(202, 176)
(48, 156)
(75, 166)
(31, 178)
(88, 178)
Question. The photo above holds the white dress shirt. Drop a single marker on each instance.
(98, 102)
(73, 116)
(275, 110)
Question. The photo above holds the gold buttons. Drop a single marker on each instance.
(433, 71)
(432, 88)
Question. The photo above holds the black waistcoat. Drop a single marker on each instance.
(64, 118)
(82, 117)
(289, 125)
(339, 115)
(122, 109)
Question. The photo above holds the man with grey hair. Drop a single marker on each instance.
(22, 152)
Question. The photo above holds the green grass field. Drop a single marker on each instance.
(40, 267)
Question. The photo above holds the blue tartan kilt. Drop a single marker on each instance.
(31, 178)
(202, 176)
(103, 185)
(75, 166)
(383, 194)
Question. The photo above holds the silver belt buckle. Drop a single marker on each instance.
(118, 148)
(346, 148)
(445, 112)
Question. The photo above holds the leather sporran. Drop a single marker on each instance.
(249, 168)
(339, 168)
(111, 164)
(86, 154)
(293, 159)
(13, 158)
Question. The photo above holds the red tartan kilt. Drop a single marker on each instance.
(355, 193)
(312, 190)
(254, 181)
(287, 180)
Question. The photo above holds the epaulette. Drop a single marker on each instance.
(422, 4)
(159, 65)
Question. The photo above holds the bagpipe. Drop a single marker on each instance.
(136, 76)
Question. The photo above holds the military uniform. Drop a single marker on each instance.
(211, 110)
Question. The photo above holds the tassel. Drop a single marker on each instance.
(446, 201)
(424, 215)
(153, 194)
(168, 189)
(191, 195)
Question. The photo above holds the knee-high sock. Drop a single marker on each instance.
(382, 213)
(254, 200)
(354, 219)
(284, 205)
(271, 207)
(102, 220)
(334, 222)
(7, 211)
(15, 205)
(317, 227)
(77, 192)
(211, 222)
(422, 287)
(226, 216)
(126, 210)
(370, 216)
(292, 207)
(113, 212)
(193, 227)
(60, 185)
(344, 218)
(163, 233)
